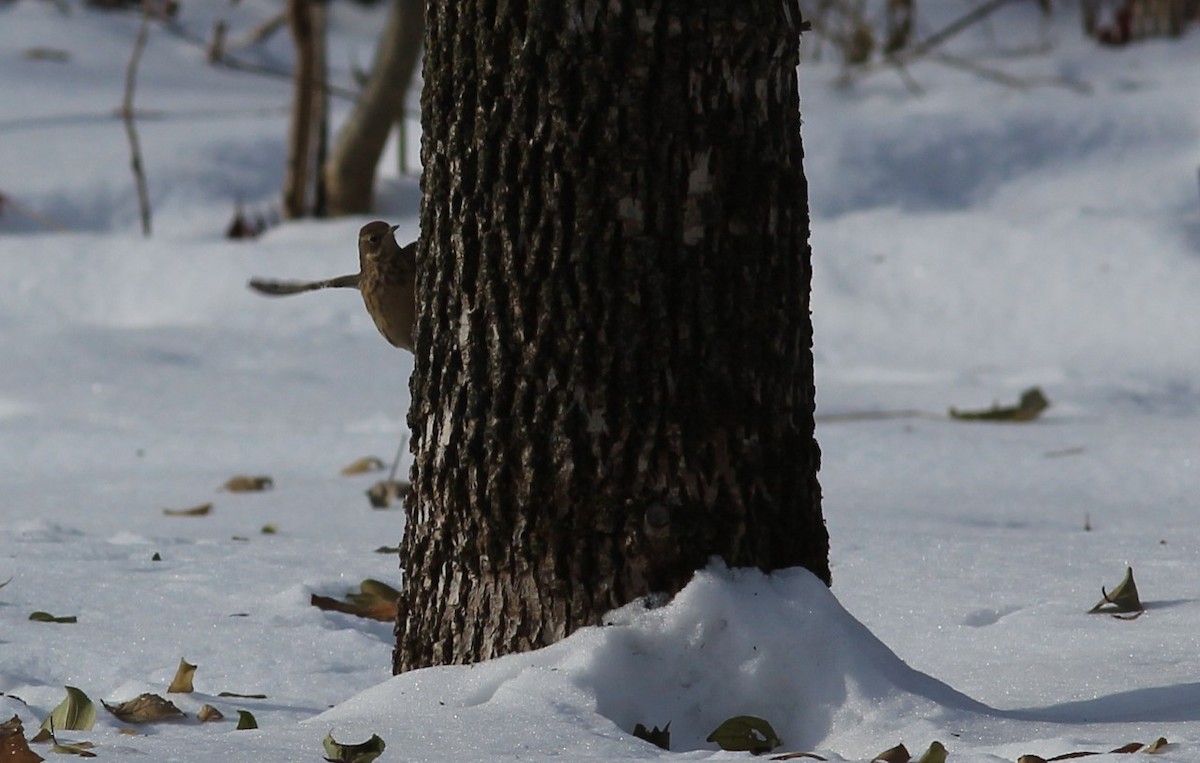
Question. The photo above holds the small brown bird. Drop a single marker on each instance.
(387, 279)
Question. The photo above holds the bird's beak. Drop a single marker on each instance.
(394, 227)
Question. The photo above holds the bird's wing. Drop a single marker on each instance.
(283, 288)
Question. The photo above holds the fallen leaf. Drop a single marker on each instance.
(145, 708)
(46, 617)
(242, 483)
(365, 752)
(246, 721)
(1156, 746)
(1033, 401)
(388, 550)
(182, 682)
(203, 510)
(13, 747)
(270, 529)
(745, 733)
(385, 492)
(363, 465)
(795, 755)
(75, 713)
(935, 754)
(1124, 598)
(1031, 759)
(1128, 748)
(242, 696)
(6, 582)
(655, 736)
(1072, 755)
(897, 754)
(82, 749)
(209, 714)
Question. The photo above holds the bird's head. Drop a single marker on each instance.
(373, 239)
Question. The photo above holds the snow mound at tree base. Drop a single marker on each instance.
(733, 642)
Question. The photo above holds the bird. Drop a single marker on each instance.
(387, 280)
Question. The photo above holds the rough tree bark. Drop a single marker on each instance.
(350, 170)
(613, 377)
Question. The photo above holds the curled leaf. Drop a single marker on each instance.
(246, 721)
(82, 749)
(13, 747)
(46, 617)
(202, 510)
(897, 754)
(182, 682)
(362, 466)
(243, 483)
(1124, 598)
(1033, 401)
(209, 714)
(745, 733)
(365, 752)
(385, 492)
(655, 736)
(935, 754)
(145, 708)
(75, 713)
(1156, 746)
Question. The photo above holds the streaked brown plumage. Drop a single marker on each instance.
(386, 279)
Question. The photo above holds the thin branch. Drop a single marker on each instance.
(229, 62)
(127, 116)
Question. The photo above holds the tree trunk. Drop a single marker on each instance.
(350, 171)
(307, 21)
(614, 377)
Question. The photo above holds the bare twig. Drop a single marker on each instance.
(7, 202)
(229, 62)
(127, 116)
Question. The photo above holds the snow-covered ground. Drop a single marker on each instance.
(969, 242)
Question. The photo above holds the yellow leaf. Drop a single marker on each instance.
(202, 510)
(182, 682)
(242, 483)
(362, 466)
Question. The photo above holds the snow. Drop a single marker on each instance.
(969, 242)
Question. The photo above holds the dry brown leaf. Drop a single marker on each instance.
(1031, 759)
(209, 714)
(6, 582)
(1131, 747)
(242, 483)
(897, 754)
(384, 493)
(795, 755)
(363, 465)
(202, 510)
(146, 708)
(1072, 755)
(242, 696)
(182, 682)
(1156, 746)
(13, 747)
(129, 732)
